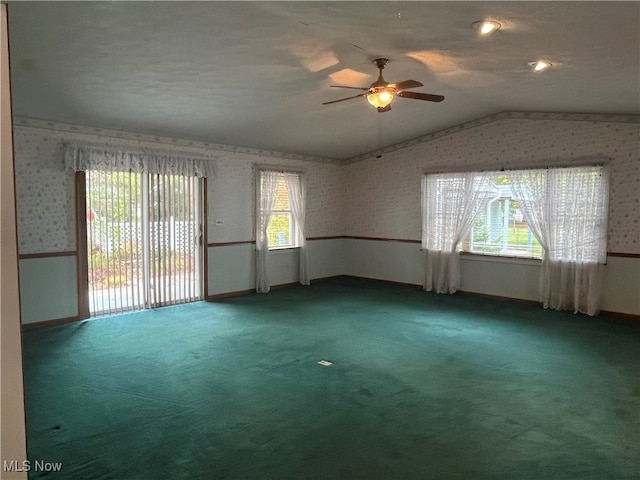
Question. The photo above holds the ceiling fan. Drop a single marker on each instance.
(380, 93)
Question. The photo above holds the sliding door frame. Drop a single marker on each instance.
(204, 240)
(82, 264)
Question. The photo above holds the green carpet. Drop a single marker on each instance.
(422, 386)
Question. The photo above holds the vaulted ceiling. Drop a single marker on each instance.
(255, 74)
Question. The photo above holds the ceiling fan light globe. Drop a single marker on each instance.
(381, 97)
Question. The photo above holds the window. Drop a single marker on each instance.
(282, 231)
(276, 208)
(501, 228)
(559, 211)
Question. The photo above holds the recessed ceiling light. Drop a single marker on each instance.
(486, 27)
(539, 65)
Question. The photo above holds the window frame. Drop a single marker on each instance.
(467, 243)
(295, 242)
(464, 247)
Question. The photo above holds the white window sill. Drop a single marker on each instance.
(495, 258)
(286, 249)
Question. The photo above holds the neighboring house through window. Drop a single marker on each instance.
(501, 227)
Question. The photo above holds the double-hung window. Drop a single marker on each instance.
(282, 228)
(282, 231)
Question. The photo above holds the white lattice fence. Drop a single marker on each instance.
(179, 235)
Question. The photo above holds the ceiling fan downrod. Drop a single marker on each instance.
(381, 94)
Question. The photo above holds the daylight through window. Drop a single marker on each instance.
(501, 228)
(567, 205)
(282, 231)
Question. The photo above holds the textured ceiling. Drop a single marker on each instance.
(254, 74)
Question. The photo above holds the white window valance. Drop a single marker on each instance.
(90, 157)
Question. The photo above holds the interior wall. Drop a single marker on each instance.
(48, 288)
(232, 267)
(383, 198)
(231, 223)
(377, 201)
(46, 214)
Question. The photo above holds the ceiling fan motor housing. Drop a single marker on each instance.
(380, 62)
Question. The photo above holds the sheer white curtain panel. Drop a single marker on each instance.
(566, 209)
(450, 203)
(297, 200)
(267, 184)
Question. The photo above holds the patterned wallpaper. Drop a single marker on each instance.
(374, 198)
(45, 189)
(383, 194)
(44, 193)
(231, 197)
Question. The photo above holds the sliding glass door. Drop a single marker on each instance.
(144, 240)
